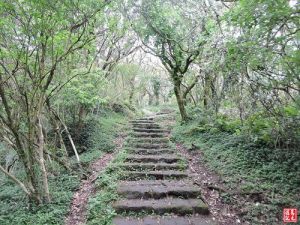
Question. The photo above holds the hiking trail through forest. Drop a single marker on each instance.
(161, 184)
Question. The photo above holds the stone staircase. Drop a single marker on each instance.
(156, 189)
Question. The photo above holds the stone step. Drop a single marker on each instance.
(137, 191)
(146, 122)
(157, 175)
(142, 121)
(152, 131)
(149, 140)
(166, 220)
(180, 183)
(153, 166)
(148, 135)
(146, 125)
(167, 158)
(150, 145)
(162, 206)
(146, 118)
(162, 113)
(142, 151)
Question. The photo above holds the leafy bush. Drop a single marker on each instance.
(104, 131)
(274, 131)
(282, 130)
(97, 134)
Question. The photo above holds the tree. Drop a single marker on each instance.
(36, 38)
(173, 32)
(156, 89)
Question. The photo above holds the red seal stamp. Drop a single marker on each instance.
(290, 215)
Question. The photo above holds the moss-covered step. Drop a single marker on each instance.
(162, 206)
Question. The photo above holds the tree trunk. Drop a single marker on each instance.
(81, 116)
(131, 94)
(71, 141)
(206, 91)
(157, 99)
(180, 102)
(41, 159)
(68, 134)
(17, 181)
(150, 101)
(30, 166)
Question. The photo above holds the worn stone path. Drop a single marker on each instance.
(156, 189)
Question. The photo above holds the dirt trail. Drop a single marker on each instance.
(78, 209)
(212, 187)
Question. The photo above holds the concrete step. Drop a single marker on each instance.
(150, 145)
(180, 183)
(162, 113)
(166, 220)
(149, 130)
(138, 191)
(142, 151)
(147, 135)
(162, 206)
(145, 118)
(153, 166)
(167, 158)
(155, 175)
(149, 140)
(146, 125)
(142, 121)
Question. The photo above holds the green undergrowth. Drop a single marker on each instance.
(267, 177)
(103, 133)
(160, 108)
(14, 208)
(100, 210)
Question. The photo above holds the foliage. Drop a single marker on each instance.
(14, 207)
(104, 132)
(261, 128)
(61, 183)
(84, 90)
(165, 30)
(37, 39)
